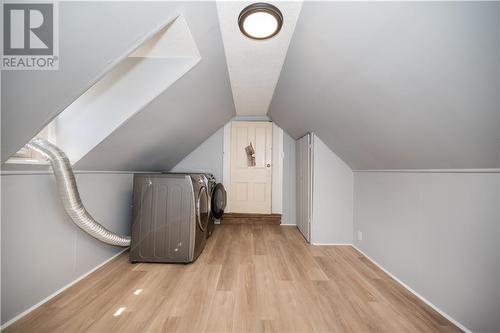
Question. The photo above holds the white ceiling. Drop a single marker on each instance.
(387, 85)
(254, 65)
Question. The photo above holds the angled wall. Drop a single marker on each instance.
(126, 89)
(93, 36)
(396, 85)
(180, 118)
(207, 157)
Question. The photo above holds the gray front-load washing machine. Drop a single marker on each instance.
(216, 194)
(170, 217)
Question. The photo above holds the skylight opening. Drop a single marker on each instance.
(130, 85)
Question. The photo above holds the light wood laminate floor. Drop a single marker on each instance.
(249, 278)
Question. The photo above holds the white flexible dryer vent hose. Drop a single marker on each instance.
(70, 196)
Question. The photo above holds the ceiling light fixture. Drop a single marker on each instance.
(260, 21)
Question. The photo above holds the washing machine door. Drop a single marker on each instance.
(219, 198)
(202, 208)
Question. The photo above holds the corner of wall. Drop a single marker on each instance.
(333, 193)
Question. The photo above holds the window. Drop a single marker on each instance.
(28, 156)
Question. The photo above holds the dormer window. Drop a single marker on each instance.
(28, 156)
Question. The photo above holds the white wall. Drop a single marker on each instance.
(207, 157)
(289, 181)
(439, 234)
(332, 197)
(304, 184)
(277, 171)
(42, 250)
(114, 100)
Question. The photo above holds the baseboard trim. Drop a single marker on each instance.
(48, 298)
(423, 299)
(288, 224)
(248, 218)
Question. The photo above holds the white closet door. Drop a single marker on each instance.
(304, 185)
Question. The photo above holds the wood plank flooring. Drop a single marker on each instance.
(255, 277)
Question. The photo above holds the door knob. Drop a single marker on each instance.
(268, 165)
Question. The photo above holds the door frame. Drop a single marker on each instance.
(276, 166)
(305, 183)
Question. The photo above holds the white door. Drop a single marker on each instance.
(251, 185)
(304, 185)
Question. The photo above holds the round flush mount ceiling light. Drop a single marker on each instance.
(260, 21)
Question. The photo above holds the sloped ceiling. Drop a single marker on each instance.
(396, 85)
(92, 37)
(126, 89)
(387, 85)
(183, 116)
